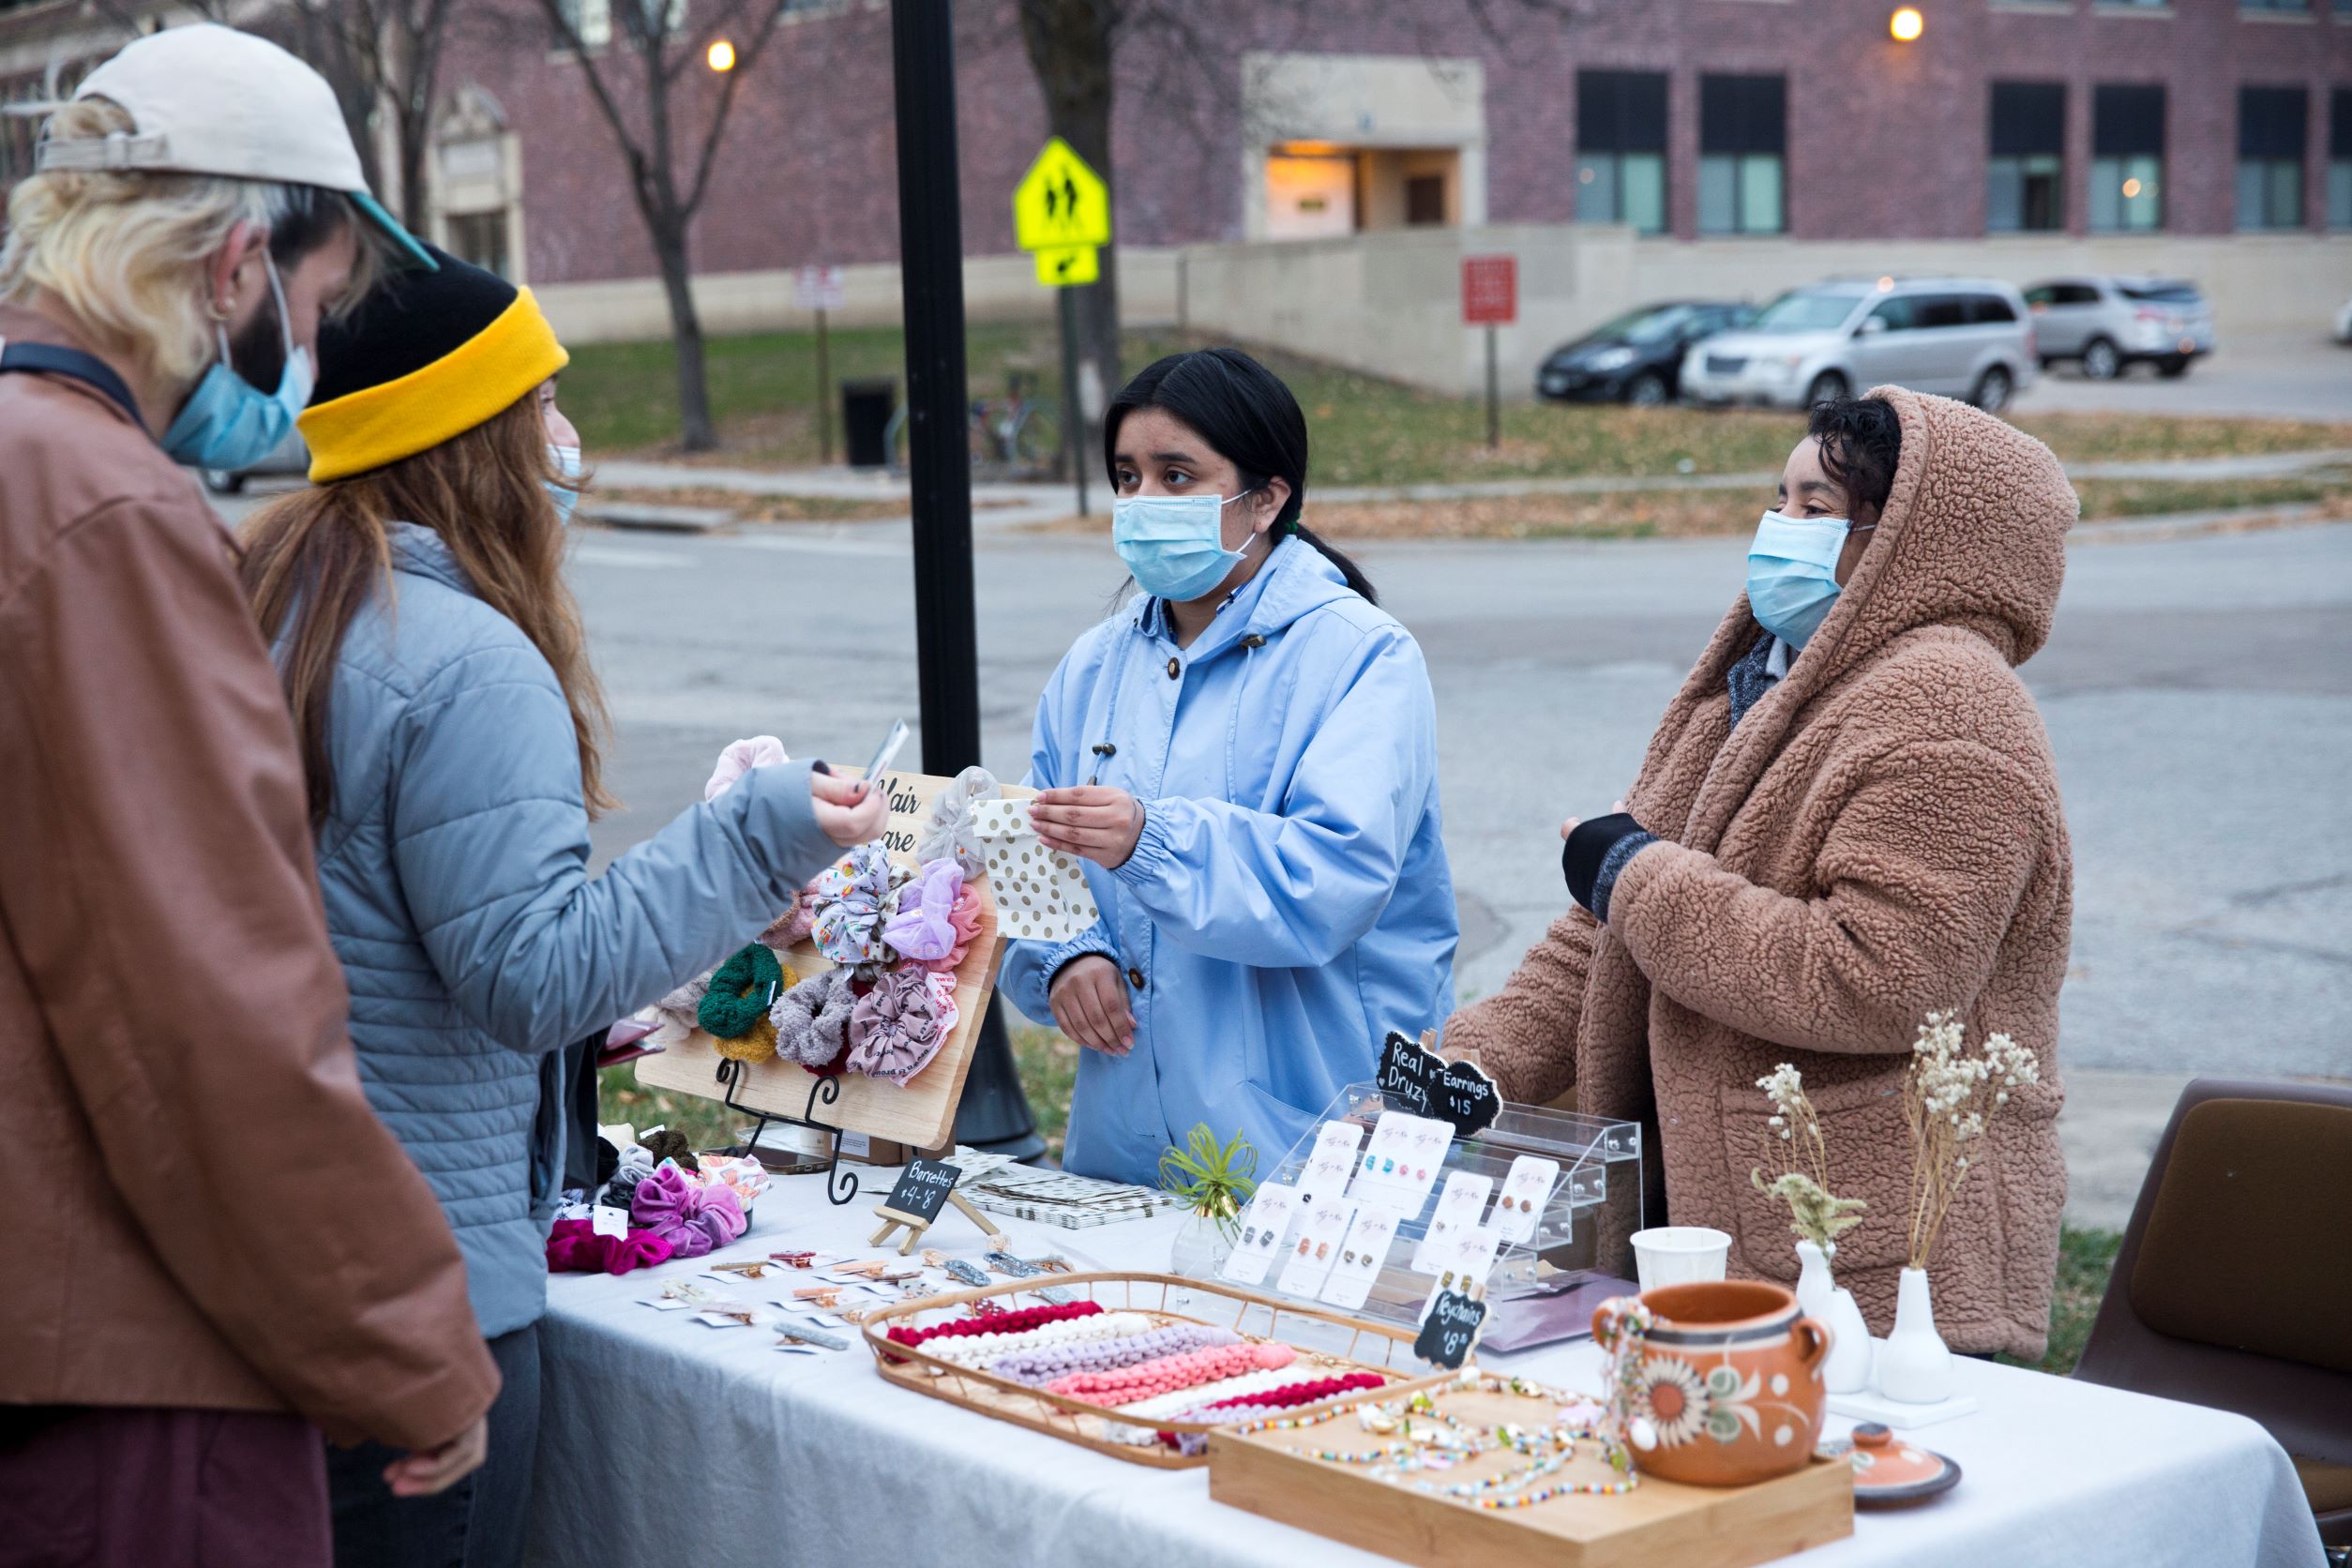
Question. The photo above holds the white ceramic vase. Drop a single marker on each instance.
(1848, 1368)
(1914, 1365)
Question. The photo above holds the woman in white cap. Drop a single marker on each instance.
(202, 1296)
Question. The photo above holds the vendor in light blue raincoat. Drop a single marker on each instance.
(1246, 756)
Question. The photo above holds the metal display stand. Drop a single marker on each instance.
(1584, 1229)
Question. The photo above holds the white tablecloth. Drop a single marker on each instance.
(666, 1441)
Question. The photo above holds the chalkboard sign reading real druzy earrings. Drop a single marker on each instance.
(1415, 1079)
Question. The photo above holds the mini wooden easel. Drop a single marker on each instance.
(915, 1225)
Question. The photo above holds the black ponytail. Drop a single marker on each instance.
(1245, 413)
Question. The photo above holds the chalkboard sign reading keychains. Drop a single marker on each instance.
(1450, 1330)
(923, 1190)
(1415, 1079)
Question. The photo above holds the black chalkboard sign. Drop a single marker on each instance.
(1418, 1080)
(922, 1188)
(1450, 1330)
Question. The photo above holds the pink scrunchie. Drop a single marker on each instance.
(574, 1247)
(923, 929)
(899, 1026)
(693, 1220)
(965, 919)
(739, 758)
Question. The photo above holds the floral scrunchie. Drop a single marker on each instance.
(947, 832)
(851, 897)
(812, 1019)
(923, 929)
(899, 1026)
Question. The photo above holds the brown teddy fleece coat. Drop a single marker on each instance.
(1881, 836)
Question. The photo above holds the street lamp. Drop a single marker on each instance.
(721, 56)
(1906, 24)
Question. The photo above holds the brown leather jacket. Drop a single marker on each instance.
(208, 1214)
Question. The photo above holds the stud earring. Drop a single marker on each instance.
(1304, 1244)
(1322, 1252)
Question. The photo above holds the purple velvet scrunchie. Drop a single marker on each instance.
(900, 1025)
(812, 1019)
(849, 897)
(923, 928)
(693, 1220)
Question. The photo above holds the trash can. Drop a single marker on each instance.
(866, 410)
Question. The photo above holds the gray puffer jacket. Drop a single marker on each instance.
(455, 868)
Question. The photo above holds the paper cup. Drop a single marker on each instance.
(1678, 1255)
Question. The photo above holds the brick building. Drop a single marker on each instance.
(1691, 122)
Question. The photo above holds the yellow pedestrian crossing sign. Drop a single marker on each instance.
(1060, 203)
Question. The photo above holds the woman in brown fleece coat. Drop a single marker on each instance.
(1878, 835)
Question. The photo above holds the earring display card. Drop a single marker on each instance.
(1458, 1210)
(1263, 1225)
(1525, 1191)
(1361, 1253)
(1040, 893)
(1306, 1262)
(1462, 1264)
(1334, 1156)
(1403, 1161)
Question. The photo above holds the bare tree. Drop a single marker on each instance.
(655, 52)
(383, 57)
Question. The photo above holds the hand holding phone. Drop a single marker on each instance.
(886, 753)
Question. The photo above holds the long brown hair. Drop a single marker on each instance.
(318, 555)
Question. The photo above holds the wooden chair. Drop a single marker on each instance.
(2234, 1286)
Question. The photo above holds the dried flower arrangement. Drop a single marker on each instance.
(1801, 1155)
(1948, 1097)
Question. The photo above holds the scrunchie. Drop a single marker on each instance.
(923, 929)
(573, 1246)
(669, 1143)
(965, 920)
(735, 1009)
(851, 897)
(899, 1026)
(791, 929)
(739, 758)
(811, 1021)
(693, 1220)
(947, 832)
(637, 1163)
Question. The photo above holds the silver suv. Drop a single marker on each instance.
(2110, 323)
(1963, 337)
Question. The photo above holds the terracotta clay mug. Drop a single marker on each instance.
(1728, 1382)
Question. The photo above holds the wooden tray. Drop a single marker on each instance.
(1369, 1348)
(1658, 1523)
(920, 1112)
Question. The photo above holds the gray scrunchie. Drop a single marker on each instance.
(812, 1019)
(948, 829)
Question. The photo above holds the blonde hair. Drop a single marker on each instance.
(123, 252)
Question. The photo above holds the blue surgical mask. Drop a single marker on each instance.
(230, 424)
(566, 496)
(1173, 544)
(1792, 574)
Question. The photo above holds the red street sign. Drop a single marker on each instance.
(1490, 291)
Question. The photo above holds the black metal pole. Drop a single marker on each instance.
(993, 1113)
(1072, 421)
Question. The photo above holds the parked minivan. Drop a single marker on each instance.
(1962, 337)
(2111, 323)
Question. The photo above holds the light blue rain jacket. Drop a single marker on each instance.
(1289, 902)
(455, 866)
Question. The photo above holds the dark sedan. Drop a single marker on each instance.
(1637, 359)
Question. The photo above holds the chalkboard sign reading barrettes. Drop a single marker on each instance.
(923, 1190)
(1450, 1330)
(1417, 1079)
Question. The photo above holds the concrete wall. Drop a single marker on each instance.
(1389, 304)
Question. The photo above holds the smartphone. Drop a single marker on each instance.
(887, 752)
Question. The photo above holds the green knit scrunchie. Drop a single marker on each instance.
(740, 992)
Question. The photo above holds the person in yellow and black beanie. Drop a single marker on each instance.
(451, 728)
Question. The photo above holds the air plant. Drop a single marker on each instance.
(1213, 1181)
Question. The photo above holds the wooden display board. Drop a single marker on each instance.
(1659, 1524)
(921, 1112)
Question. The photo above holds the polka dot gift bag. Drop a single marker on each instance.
(1041, 894)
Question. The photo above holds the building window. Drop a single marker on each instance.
(1743, 147)
(1425, 200)
(593, 19)
(2127, 159)
(2301, 6)
(2025, 179)
(1620, 148)
(2340, 159)
(2271, 124)
(480, 237)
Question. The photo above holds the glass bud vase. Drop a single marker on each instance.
(1202, 1245)
(1915, 1365)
